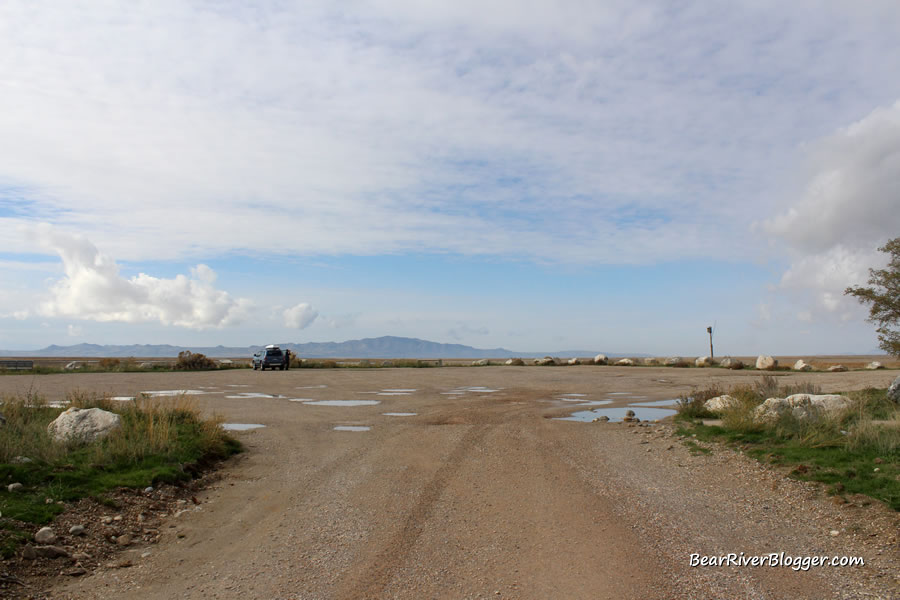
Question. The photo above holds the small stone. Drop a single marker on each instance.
(77, 571)
(834, 533)
(107, 520)
(80, 556)
(45, 535)
(28, 552)
(124, 539)
(148, 489)
(117, 518)
(76, 530)
(629, 413)
(876, 470)
(20, 460)
(13, 487)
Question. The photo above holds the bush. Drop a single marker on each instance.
(108, 364)
(691, 406)
(191, 361)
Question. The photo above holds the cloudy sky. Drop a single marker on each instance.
(538, 175)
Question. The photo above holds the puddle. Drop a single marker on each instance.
(351, 428)
(453, 393)
(574, 395)
(312, 387)
(617, 414)
(593, 402)
(568, 399)
(400, 390)
(669, 402)
(619, 394)
(240, 426)
(122, 398)
(176, 393)
(344, 402)
(394, 394)
(301, 399)
(244, 395)
(399, 414)
(238, 385)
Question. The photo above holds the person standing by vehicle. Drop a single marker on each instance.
(287, 359)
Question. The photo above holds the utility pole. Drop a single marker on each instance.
(709, 331)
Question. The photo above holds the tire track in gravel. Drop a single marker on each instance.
(380, 568)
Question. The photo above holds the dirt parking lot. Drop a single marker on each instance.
(472, 489)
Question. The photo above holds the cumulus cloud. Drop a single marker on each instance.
(849, 207)
(300, 316)
(93, 289)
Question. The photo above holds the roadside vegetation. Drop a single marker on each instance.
(855, 451)
(159, 441)
(186, 361)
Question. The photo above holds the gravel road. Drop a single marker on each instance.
(482, 494)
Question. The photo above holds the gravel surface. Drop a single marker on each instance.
(481, 494)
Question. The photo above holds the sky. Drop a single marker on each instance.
(535, 175)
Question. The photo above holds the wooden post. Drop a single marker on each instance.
(709, 331)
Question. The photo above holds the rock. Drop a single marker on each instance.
(148, 489)
(837, 369)
(20, 460)
(73, 365)
(146, 365)
(107, 520)
(672, 361)
(86, 425)
(624, 362)
(803, 407)
(124, 539)
(874, 365)
(629, 413)
(732, 363)
(480, 363)
(76, 530)
(543, 362)
(802, 365)
(573, 361)
(720, 403)
(76, 571)
(602, 419)
(51, 551)
(28, 552)
(601, 359)
(13, 487)
(766, 363)
(704, 361)
(894, 391)
(79, 556)
(45, 536)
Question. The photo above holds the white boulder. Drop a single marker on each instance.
(720, 403)
(83, 424)
(804, 407)
(574, 361)
(894, 391)
(837, 369)
(601, 359)
(704, 361)
(672, 361)
(732, 363)
(874, 365)
(625, 362)
(73, 365)
(802, 365)
(766, 363)
(546, 361)
(480, 363)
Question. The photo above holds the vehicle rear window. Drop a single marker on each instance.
(273, 352)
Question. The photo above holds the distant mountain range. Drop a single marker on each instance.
(381, 347)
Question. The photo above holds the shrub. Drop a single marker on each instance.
(108, 364)
(193, 361)
(691, 406)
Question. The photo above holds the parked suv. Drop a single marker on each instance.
(271, 357)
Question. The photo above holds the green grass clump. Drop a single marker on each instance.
(856, 451)
(158, 441)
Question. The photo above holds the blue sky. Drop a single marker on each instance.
(563, 175)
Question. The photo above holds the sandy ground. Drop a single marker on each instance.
(482, 494)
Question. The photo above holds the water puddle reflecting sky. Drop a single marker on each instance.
(351, 428)
(241, 426)
(343, 402)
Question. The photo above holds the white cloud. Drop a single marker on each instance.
(300, 316)
(848, 208)
(74, 330)
(621, 133)
(92, 289)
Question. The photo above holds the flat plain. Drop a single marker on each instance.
(482, 492)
